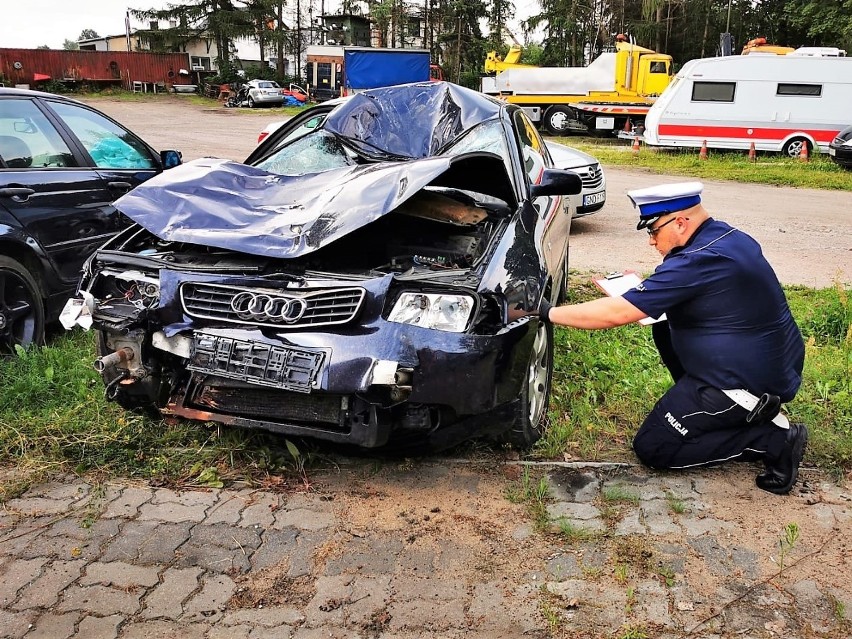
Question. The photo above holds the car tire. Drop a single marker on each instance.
(793, 148)
(21, 306)
(535, 391)
(250, 102)
(556, 120)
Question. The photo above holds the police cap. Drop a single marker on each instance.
(656, 201)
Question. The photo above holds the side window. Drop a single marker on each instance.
(713, 91)
(28, 139)
(110, 146)
(532, 147)
(814, 90)
(659, 66)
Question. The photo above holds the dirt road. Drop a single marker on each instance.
(806, 234)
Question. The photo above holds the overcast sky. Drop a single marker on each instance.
(27, 24)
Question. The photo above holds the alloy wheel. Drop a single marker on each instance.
(21, 318)
(538, 375)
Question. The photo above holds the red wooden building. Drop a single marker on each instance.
(31, 66)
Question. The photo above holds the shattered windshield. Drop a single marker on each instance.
(313, 153)
(321, 151)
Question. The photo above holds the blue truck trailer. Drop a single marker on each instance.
(335, 71)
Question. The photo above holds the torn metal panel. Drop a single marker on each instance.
(227, 205)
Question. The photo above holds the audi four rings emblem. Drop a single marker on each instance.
(261, 306)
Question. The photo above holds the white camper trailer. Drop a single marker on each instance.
(777, 102)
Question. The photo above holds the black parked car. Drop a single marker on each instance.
(62, 164)
(840, 148)
(370, 275)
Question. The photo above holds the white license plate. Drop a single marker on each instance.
(594, 198)
(832, 152)
(605, 123)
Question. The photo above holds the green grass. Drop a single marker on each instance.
(53, 415)
(605, 382)
(770, 168)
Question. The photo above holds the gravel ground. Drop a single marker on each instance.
(805, 233)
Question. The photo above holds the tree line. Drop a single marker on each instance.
(556, 33)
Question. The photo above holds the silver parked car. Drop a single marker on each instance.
(590, 171)
(262, 92)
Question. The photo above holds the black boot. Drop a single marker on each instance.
(781, 474)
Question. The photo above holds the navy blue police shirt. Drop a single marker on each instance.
(730, 323)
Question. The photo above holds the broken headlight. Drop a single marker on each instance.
(433, 310)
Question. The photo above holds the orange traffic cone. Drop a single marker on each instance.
(803, 154)
(702, 154)
(628, 126)
(636, 145)
(752, 153)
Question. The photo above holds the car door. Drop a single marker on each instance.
(556, 219)
(51, 189)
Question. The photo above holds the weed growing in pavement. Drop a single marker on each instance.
(620, 495)
(622, 572)
(573, 533)
(786, 543)
(534, 494)
(676, 505)
(94, 505)
(667, 575)
(771, 168)
(631, 600)
(633, 632)
(547, 605)
(838, 609)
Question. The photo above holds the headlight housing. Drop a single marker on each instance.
(439, 311)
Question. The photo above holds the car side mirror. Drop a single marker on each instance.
(557, 182)
(170, 158)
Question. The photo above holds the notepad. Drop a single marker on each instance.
(615, 284)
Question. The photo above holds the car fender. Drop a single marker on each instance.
(17, 244)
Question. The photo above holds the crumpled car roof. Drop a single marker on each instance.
(224, 204)
(412, 120)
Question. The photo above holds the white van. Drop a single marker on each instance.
(778, 102)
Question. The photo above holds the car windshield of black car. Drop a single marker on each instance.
(316, 152)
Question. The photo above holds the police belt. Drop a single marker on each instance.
(767, 404)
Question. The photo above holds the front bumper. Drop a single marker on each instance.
(841, 154)
(358, 383)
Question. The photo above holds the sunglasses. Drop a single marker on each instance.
(653, 232)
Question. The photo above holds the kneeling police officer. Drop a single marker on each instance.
(730, 342)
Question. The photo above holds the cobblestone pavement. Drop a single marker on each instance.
(431, 549)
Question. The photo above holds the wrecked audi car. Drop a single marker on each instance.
(369, 276)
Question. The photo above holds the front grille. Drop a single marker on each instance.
(271, 405)
(271, 307)
(294, 369)
(593, 178)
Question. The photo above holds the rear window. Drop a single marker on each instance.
(786, 88)
(713, 91)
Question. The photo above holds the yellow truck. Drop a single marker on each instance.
(617, 87)
(512, 60)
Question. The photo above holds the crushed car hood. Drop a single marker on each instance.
(224, 204)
